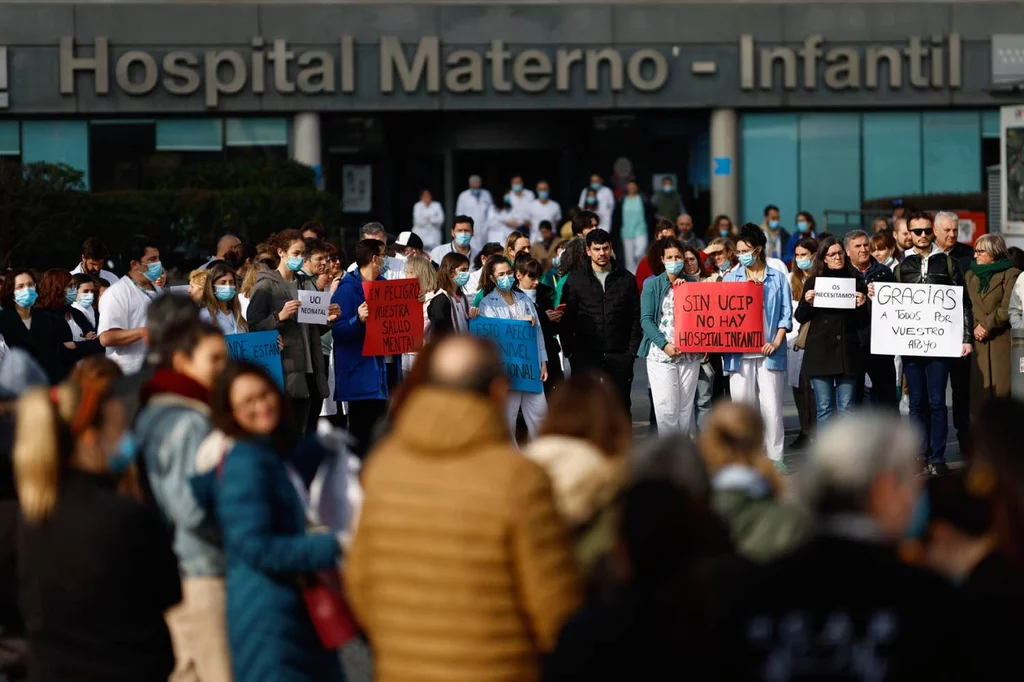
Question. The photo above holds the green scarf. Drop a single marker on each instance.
(984, 272)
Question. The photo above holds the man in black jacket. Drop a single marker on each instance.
(927, 376)
(947, 238)
(881, 369)
(601, 324)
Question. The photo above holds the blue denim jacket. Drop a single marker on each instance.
(778, 309)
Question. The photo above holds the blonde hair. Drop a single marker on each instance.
(249, 281)
(994, 245)
(421, 269)
(734, 434)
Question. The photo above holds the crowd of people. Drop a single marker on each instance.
(172, 512)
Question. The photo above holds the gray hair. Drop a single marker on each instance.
(854, 234)
(947, 215)
(371, 229)
(848, 457)
(994, 245)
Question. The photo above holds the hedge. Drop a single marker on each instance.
(45, 215)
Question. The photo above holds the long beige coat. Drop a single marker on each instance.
(990, 377)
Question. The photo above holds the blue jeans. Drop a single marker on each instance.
(833, 395)
(926, 383)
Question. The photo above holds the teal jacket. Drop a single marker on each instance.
(655, 290)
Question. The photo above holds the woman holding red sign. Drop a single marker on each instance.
(671, 374)
(502, 300)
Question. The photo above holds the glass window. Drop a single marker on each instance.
(990, 123)
(190, 135)
(10, 138)
(57, 142)
(892, 154)
(256, 132)
(769, 165)
(829, 165)
(120, 151)
(952, 151)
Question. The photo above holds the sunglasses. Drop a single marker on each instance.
(922, 230)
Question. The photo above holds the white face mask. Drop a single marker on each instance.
(531, 294)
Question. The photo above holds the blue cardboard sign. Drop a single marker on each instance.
(517, 343)
(723, 165)
(259, 348)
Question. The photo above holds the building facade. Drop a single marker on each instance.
(809, 106)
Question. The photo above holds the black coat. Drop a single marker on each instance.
(942, 269)
(94, 581)
(546, 302)
(598, 320)
(963, 256)
(833, 340)
(837, 605)
(993, 597)
(44, 341)
(84, 349)
(876, 272)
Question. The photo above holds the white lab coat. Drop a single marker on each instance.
(479, 209)
(605, 205)
(521, 202)
(427, 223)
(539, 211)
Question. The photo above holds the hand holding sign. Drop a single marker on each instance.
(260, 348)
(923, 320)
(517, 342)
(725, 317)
(394, 317)
(290, 309)
(834, 292)
(313, 307)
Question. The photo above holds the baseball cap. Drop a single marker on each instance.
(410, 239)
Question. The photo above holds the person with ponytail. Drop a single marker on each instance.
(43, 335)
(95, 566)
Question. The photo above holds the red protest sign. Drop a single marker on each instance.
(719, 317)
(395, 323)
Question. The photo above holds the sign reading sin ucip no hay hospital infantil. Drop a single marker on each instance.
(917, 320)
(719, 317)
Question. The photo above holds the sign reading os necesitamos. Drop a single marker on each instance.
(313, 307)
(917, 320)
(835, 292)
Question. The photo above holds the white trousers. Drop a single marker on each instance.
(673, 388)
(534, 406)
(635, 251)
(431, 237)
(755, 385)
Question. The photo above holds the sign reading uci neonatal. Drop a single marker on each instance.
(270, 65)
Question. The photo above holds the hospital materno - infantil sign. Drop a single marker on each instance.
(273, 66)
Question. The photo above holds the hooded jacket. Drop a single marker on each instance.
(301, 341)
(461, 568)
(355, 377)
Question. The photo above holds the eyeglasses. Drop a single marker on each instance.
(918, 231)
(834, 254)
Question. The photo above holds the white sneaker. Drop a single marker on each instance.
(905, 405)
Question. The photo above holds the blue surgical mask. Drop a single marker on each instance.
(475, 192)
(462, 278)
(505, 282)
(774, 224)
(724, 233)
(595, 185)
(126, 452)
(70, 295)
(725, 265)
(667, 188)
(889, 262)
(85, 300)
(154, 270)
(224, 292)
(804, 263)
(802, 225)
(463, 239)
(746, 259)
(591, 200)
(295, 264)
(542, 194)
(26, 298)
(383, 268)
(556, 260)
(673, 267)
(508, 198)
(517, 187)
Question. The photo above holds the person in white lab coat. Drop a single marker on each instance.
(519, 199)
(427, 221)
(605, 201)
(543, 208)
(504, 220)
(476, 203)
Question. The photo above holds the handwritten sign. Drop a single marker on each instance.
(313, 307)
(517, 342)
(917, 320)
(835, 292)
(395, 324)
(259, 348)
(713, 317)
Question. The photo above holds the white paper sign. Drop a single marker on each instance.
(917, 320)
(835, 292)
(313, 307)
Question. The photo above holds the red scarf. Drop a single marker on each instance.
(168, 381)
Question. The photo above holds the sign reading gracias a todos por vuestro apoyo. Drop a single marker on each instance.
(273, 65)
